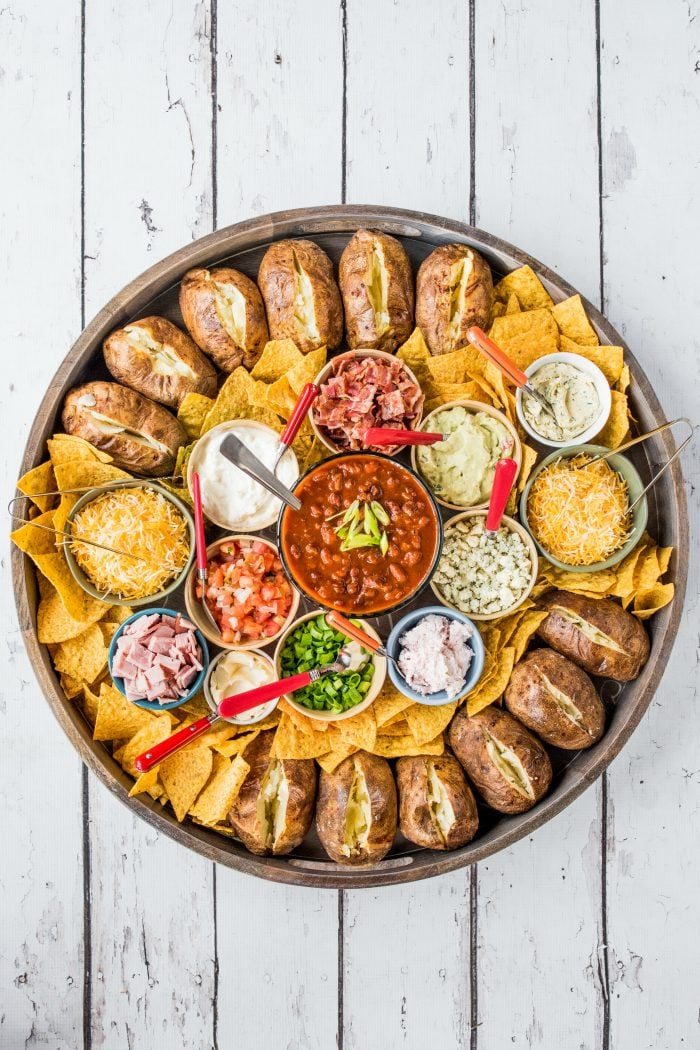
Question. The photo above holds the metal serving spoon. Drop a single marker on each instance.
(510, 370)
(201, 549)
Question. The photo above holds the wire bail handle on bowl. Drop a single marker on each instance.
(638, 441)
(503, 480)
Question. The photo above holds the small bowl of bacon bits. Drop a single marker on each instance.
(362, 389)
(130, 544)
(158, 659)
(576, 508)
(247, 591)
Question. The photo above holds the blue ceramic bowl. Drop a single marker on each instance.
(153, 705)
(474, 670)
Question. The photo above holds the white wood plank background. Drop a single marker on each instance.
(570, 128)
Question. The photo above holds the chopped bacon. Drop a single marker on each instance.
(366, 392)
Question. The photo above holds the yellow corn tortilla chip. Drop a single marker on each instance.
(526, 286)
(184, 775)
(281, 398)
(72, 687)
(90, 704)
(193, 408)
(654, 599)
(78, 603)
(397, 746)
(529, 460)
(360, 730)
(332, 759)
(216, 798)
(83, 657)
(317, 453)
(236, 746)
(64, 447)
(39, 480)
(278, 357)
(85, 474)
(663, 555)
(292, 742)
(305, 371)
(526, 336)
(513, 304)
(497, 310)
(234, 401)
(153, 732)
(389, 703)
(426, 723)
(520, 638)
(117, 717)
(572, 321)
(146, 783)
(609, 359)
(486, 692)
(624, 380)
(302, 721)
(36, 538)
(617, 428)
(396, 726)
(414, 351)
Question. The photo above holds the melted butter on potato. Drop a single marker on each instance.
(441, 812)
(165, 361)
(593, 633)
(304, 309)
(358, 817)
(272, 803)
(230, 306)
(460, 273)
(378, 288)
(509, 766)
(565, 704)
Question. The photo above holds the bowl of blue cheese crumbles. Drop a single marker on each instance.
(484, 576)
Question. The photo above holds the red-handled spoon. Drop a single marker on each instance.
(201, 549)
(510, 370)
(503, 479)
(339, 623)
(386, 436)
(299, 414)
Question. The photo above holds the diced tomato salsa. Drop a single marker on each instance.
(247, 591)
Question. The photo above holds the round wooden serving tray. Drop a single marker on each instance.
(242, 245)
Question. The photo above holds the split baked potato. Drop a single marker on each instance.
(596, 633)
(275, 806)
(138, 434)
(454, 290)
(376, 282)
(556, 699)
(436, 806)
(507, 764)
(158, 360)
(356, 810)
(224, 314)
(301, 297)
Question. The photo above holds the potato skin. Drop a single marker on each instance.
(605, 615)
(300, 774)
(360, 320)
(468, 740)
(333, 793)
(133, 366)
(276, 282)
(130, 409)
(528, 699)
(433, 297)
(415, 821)
(198, 308)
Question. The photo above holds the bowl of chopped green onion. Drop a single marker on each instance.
(310, 642)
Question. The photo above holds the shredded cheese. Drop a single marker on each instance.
(579, 515)
(138, 521)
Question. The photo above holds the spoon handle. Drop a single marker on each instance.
(173, 743)
(503, 479)
(340, 623)
(387, 436)
(231, 706)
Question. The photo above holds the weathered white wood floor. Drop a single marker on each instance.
(570, 127)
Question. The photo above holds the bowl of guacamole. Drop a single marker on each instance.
(460, 469)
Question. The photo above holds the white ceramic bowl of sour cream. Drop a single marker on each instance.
(592, 373)
(230, 498)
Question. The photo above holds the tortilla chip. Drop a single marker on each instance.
(65, 447)
(84, 656)
(653, 600)
(235, 402)
(389, 703)
(117, 717)
(237, 746)
(397, 746)
(396, 726)
(278, 357)
(617, 428)
(281, 398)
(292, 742)
(528, 462)
(609, 359)
(36, 538)
(317, 453)
(146, 783)
(520, 638)
(157, 729)
(79, 604)
(624, 380)
(491, 689)
(332, 759)
(572, 321)
(526, 336)
(426, 723)
(193, 408)
(305, 371)
(220, 792)
(90, 704)
(414, 351)
(526, 286)
(184, 775)
(360, 730)
(85, 474)
(72, 687)
(39, 480)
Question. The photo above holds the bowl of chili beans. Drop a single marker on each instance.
(368, 535)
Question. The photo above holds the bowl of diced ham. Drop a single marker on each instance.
(158, 659)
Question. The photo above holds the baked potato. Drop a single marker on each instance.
(301, 297)
(356, 810)
(157, 359)
(275, 806)
(376, 283)
(556, 699)
(507, 764)
(454, 290)
(596, 633)
(224, 313)
(138, 434)
(436, 806)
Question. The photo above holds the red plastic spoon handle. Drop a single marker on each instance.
(339, 623)
(200, 539)
(386, 436)
(299, 413)
(231, 706)
(173, 743)
(496, 356)
(503, 479)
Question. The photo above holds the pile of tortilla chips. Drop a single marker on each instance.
(203, 780)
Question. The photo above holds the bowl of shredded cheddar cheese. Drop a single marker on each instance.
(577, 511)
(141, 542)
